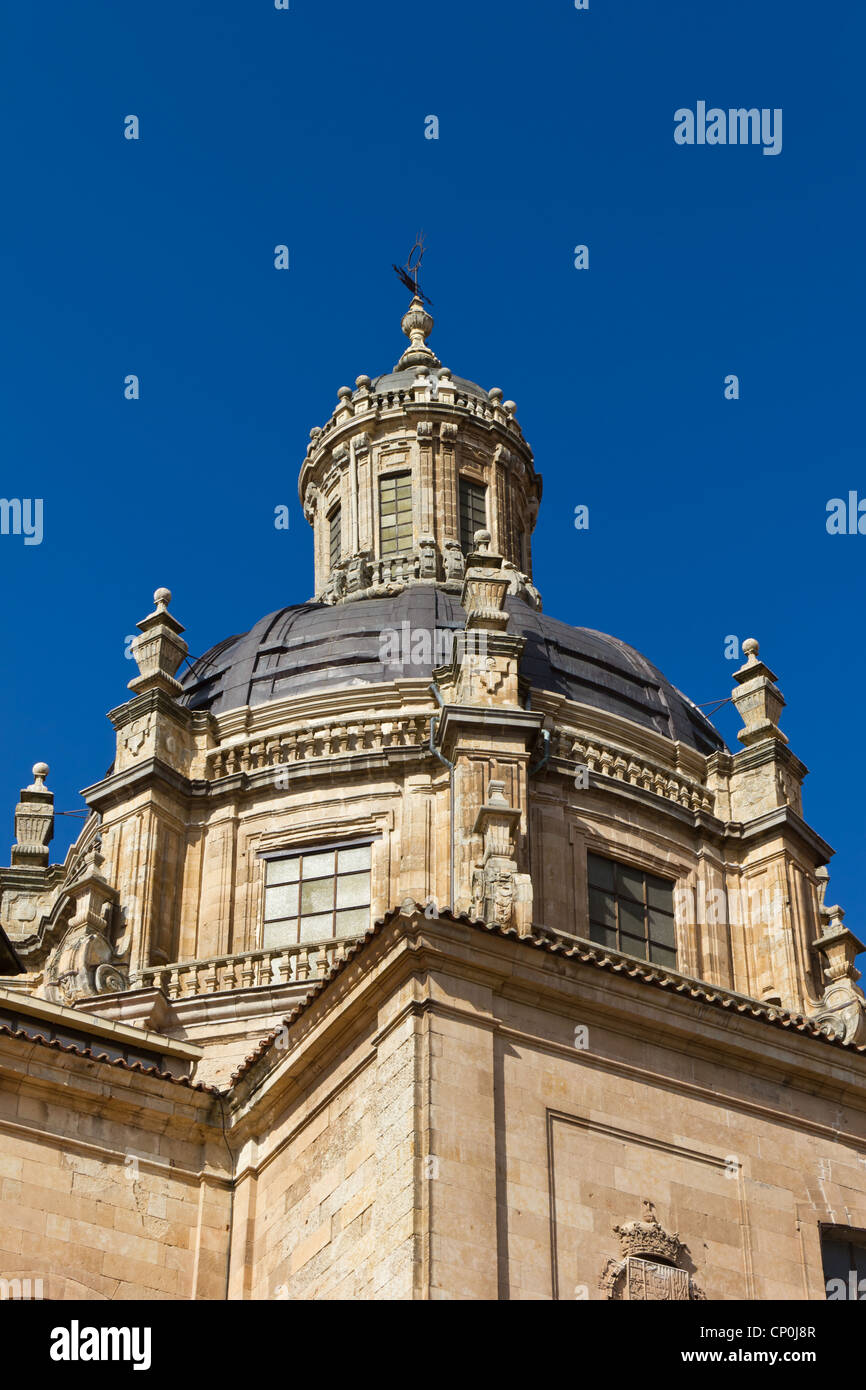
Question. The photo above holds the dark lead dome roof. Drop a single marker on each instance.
(316, 647)
(405, 381)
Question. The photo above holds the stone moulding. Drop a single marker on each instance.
(367, 405)
(611, 760)
(339, 736)
(410, 921)
(312, 742)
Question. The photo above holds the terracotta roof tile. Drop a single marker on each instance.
(94, 1055)
(586, 954)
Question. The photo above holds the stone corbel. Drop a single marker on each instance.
(455, 563)
(311, 499)
(358, 573)
(428, 565)
(335, 587)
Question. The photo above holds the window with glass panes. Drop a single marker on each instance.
(317, 893)
(844, 1254)
(631, 911)
(395, 513)
(473, 513)
(334, 536)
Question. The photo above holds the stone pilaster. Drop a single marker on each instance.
(761, 790)
(499, 893)
(489, 736)
(144, 801)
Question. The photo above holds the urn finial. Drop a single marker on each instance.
(417, 324)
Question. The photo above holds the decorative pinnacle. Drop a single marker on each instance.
(40, 772)
(417, 324)
(758, 699)
(159, 650)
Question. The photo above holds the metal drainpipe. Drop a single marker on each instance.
(435, 751)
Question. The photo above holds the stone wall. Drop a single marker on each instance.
(112, 1185)
(327, 1202)
(509, 1107)
(455, 1114)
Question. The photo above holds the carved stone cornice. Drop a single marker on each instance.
(157, 702)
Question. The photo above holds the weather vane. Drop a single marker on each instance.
(409, 275)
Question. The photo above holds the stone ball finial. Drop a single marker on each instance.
(510, 407)
(495, 394)
(40, 772)
(345, 393)
(162, 598)
(751, 648)
(482, 540)
(362, 382)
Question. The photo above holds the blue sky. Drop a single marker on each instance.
(306, 127)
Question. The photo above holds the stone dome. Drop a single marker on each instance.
(316, 647)
(392, 383)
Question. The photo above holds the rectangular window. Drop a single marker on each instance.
(473, 513)
(631, 911)
(317, 893)
(395, 513)
(844, 1254)
(335, 537)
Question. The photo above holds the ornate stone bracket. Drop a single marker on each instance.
(85, 963)
(311, 499)
(843, 1005)
(454, 560)
(521, 586)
